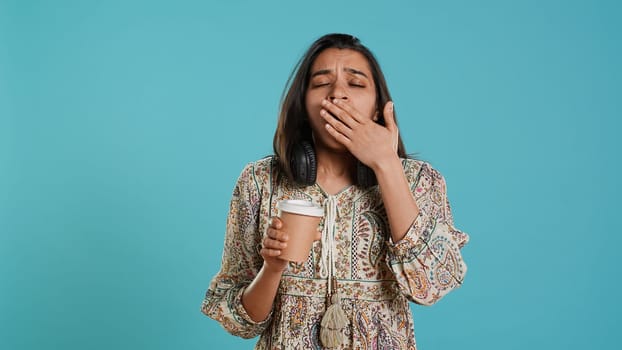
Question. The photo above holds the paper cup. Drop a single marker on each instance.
(300, 221)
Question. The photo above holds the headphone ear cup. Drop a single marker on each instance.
(365, 177)
(303, 164)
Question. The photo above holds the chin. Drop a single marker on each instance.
(334, 146)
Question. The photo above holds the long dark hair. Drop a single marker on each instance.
(293, 125)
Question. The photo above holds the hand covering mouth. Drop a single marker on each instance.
(334, 116)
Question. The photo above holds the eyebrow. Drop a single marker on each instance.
(347, 69)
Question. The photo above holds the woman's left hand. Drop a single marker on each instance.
(368, 141)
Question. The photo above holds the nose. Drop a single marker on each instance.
(338, 92)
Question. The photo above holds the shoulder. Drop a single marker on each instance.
(258, 172)
(261, 166)
(421, 173)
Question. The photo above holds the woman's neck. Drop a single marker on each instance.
(335, 170)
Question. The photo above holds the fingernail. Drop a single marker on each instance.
(391, 107)
(324, 102)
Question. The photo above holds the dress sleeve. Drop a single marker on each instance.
(427, 262)
(241, 261)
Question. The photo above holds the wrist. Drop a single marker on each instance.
(273, 271)
(386, 165)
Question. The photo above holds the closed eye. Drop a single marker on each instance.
(320, 84)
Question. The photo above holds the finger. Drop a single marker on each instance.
(340, 113)
(270, 252)
(277, 235)
(389, 121)
(338, 136)
(273, 243)
(275, 222)
(336, 123)
(350, 110)
(389, 117)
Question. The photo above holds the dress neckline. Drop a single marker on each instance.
(341, 191)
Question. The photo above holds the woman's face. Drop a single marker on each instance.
(339, 74)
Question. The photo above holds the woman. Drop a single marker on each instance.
(387, 236)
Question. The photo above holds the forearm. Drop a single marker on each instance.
(258, 297)
(398, 200)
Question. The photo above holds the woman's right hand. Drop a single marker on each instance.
(273, 242)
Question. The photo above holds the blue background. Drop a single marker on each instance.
(124, 125)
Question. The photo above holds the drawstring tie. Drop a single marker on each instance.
(334, 319)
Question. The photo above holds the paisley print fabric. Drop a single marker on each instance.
(375, 277)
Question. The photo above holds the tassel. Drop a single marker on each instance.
(333, 323)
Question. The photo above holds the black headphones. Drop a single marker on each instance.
(304, 167)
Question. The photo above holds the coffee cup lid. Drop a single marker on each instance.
(298, 206)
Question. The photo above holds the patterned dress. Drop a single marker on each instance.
(376, 278)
